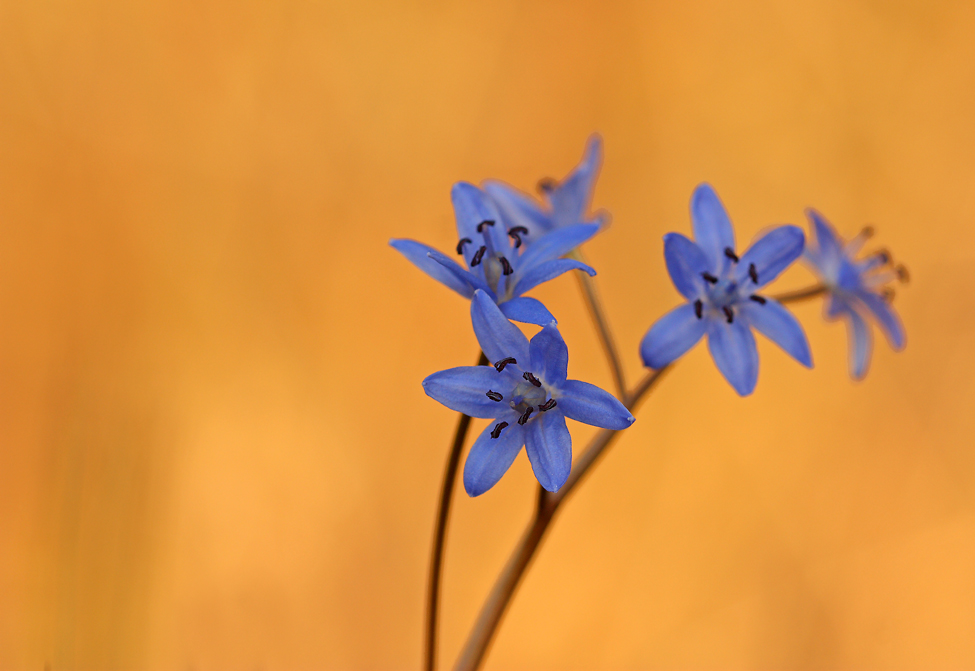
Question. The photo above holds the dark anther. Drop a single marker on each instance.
(516, 233)
(867, 231)
(531, 378)
(902, 273)
(884, 256)
(494, 396)
(547, 405)
(478, 255)
(460, 245)
(698, 308)
(758, 299)
(486, 222)
(728, 313)
(710, 278)
(730, 253)
(887, 294)
(504, 362)
(753, 272)
(546, 184)
(497, 429)
(528, 413)
(506, 268)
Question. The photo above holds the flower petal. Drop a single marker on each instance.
(526, 310)
(417, 253)
(549, 356)
(589, 404)
(712, 227)
(498, 337)
(549, 448)
(519, 209)
(861, 342)
(490, 458)
(555, 244)
(827, 242)
(780, 326)
(570, 199)
(465, 388)
(454, 269)
(685, 263)
(671, 336)
(733, 349)
(888, 320)
(471, 207)
(771, 254)
(543, 272)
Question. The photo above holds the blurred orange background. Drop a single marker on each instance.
(215, 452)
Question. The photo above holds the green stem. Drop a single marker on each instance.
(800, 294)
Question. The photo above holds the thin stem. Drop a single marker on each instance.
(588, 287)
(800, 294)
(488, 620)
(440, 536)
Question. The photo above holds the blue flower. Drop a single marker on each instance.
(856, 289)
(565, 203)
(721, 290)
(497, 262)
(527, 395)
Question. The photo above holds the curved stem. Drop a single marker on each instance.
(493, 610)
(800, 294)
(588, 287)
(440, 536)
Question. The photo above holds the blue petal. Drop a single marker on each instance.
(712, 227)
(498, 337)
(828, 243)
(549, 356)
(555, 244)
(780, 326)
(471, 207)
(834, 307)
(671, 336)
(543, 272)
(465, 388)
(526, 310)
(771, 254)
(861, 343)
(589, 404)
(490, 458)
(519, 209)
(685, 263)
(549, 448)
(888, 320)
(417, 253)
(457, 272)
(733, 349)
(570, 200)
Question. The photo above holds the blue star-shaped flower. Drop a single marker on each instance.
(498, 263)
(721, 290)
(855, 289)
(565, 203)
(527, 395)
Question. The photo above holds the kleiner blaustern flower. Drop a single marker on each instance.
(498, 263)
(565, 203)
(856, 291)
(527, 395)
(721, 289)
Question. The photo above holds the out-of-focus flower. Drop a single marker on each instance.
(563, 203)
(722, 300)
(857, 290)
(527, 395)
(498, 263)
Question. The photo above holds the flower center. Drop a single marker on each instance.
(527, 397)
(493, 262)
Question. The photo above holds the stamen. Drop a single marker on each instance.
(883, 256)
(506, 268)
(758, 299)
(547, 405)
(494, 396)
(516, 233)
(499, 365)
(728, 313)
(708, 277)
(867, 231)
(460, 245)
(528, 413)
(547, 184)
(887, 294)
(478, 255)
(730, 253)
(497, 429)
(698, 308)
(753, 272)
(902, 273)
(531, 378)
(486, 222)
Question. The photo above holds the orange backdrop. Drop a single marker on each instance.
(214, 449)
